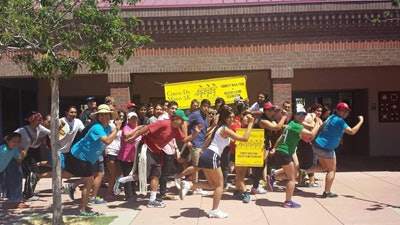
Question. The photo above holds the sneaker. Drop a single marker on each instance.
(33, 198)
(155, 204)
(291, 204)
(329, 195)
(302, 176)
(185, 187)
(70, 190)
(246, 198)
(199, 191)
(217, 213)
(313, 184)
(4, 216)
(64, 190)
(270, 183)
(117, 190)
(97, 200)
(237, 195)
(272, 175)
(34, 178)
(259, 190)
(177, 180)
(87, 213)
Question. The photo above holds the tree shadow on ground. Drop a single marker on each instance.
(375, 206)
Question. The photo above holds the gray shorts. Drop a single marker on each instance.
(195, 156)
(324, 153)
(98, 167)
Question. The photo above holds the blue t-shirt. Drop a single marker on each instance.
(329, 137)
(90, 147)
(6, 155)
(195, 118)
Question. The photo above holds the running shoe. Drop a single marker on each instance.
(117, 186)
(199, 191)
(259, 190)
(155, 204)
(217, 213)
(185, 187)
(83, 213)
(246, 197)
(70, 188)
(329, 195)
(270, 183)
(98, 200)
(237, 195)
(291, 204)
(177, 180)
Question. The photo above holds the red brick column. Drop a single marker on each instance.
(120, 89)
(281, 85)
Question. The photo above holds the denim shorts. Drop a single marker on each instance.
(324, 153)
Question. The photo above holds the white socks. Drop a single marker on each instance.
(126, 179)
(153, 195)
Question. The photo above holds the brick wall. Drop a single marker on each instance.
(121, 94)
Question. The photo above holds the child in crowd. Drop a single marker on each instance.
(9, 151)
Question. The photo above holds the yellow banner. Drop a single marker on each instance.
(250, 153)
(226, 87)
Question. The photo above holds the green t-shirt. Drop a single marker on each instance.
(290, 138)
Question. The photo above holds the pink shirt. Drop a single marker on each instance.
(127, 151)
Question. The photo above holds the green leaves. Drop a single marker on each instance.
(56, 37)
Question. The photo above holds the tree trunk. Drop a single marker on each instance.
(56, 175)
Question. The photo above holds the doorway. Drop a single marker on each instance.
(357, 100)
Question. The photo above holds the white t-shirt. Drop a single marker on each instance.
(114, 147)
(33, 139)
(74, 126)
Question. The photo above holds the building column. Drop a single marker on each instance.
(281, 79)
(120, 88)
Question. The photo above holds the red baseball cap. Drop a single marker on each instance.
(130, 104)
(268, 105)
(342, 106)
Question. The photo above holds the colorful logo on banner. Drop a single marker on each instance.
(226, 87)
(250, 153)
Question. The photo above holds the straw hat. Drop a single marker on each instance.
(103, 108)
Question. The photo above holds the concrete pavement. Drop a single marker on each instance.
(364, 198)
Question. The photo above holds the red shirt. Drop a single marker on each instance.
(234, 127)
(160, 134)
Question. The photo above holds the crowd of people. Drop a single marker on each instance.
(139, 147)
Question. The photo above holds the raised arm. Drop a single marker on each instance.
(226, 132)
(354, 130)
(110, 138)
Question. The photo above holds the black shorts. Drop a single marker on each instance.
(153, 164)
(110, 158)
(283, 158)
(232, 157)
(77, 167)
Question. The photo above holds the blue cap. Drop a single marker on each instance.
(90, 98)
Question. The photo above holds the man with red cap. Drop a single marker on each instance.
(155, 137)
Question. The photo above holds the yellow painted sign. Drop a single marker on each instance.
(226, 87)
(250, 153)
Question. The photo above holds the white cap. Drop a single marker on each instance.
(300, 109)
(131, 114)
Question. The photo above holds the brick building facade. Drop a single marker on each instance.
(311, 50)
